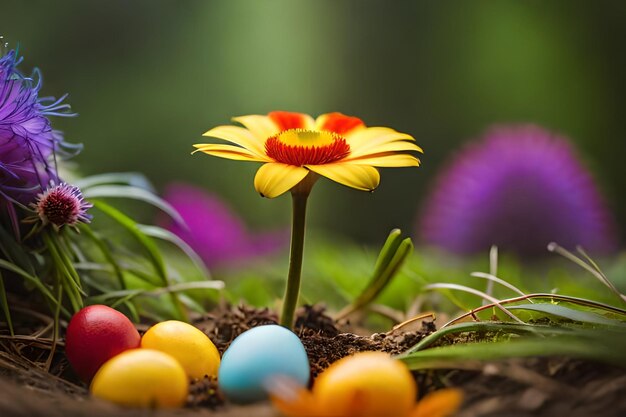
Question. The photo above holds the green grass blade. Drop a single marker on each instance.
(192, 304)
(601, 346)
(591, 268)
(5, 305)
(484, 327)
(145, 276)
(450, 286)
(494, 279)
(390, 259)
(154, 255)
(185, 286)
(132, 310)
(14, 252)
(570, 314)
(166, 235)
(126, 178)
(380, 282)
(35, 281)
(124, 300)
(545, 297)
(135, 193)
(67, 257)
(69, 279)
(117, 270)
(104, 249)
(388, 251)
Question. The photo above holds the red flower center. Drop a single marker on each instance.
(306, 147)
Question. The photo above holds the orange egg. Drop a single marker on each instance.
(368, 384)
(365, 384)
(142, 378)
(188, 344)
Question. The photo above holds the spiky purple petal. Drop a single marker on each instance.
(27, 141)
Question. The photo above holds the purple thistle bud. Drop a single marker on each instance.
(214, 230)
(519, 188)
(61, 205)
(28, 143)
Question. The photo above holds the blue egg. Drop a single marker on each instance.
(255, 356)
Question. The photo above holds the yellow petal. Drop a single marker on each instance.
(369, 138)
(229, 152)
(274, 178)
(397, 146)
(386, 160)
(239, 136)
(442, 403)
(361, 177)
(261, 127)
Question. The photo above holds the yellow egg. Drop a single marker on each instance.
(188, 344)
(365, 384)
(142, 378)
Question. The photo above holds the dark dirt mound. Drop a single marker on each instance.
(324, 340)
(523, 387)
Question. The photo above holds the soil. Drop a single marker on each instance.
(35, 383)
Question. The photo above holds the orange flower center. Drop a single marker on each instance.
(306, 147)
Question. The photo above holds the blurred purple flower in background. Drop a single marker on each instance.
(215, 231)
(519, 188)
(28, 143)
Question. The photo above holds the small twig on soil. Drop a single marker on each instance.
(494, 301)
(493, 270)
(45, 343)
(55, 330)
(414, 319)
(28, 311)
(43, 330)
(592, 267)
(15, 362)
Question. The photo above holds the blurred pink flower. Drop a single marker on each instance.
(214, 230)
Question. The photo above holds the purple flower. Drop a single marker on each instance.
(28, 143)
(214, 230)
(519, 188)
(62, 205)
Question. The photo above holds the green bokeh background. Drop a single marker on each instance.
(149, 77)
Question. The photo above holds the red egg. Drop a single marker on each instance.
(96, 334)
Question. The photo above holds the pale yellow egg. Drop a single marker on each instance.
(142, 378)
(188, 344)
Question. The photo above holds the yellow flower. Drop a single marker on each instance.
(295, 150)
(294, 146)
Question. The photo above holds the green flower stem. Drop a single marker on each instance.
(57, 312)
(290, 300)
(64, 268)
